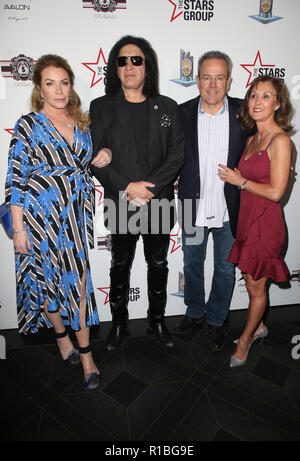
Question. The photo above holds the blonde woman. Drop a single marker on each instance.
(50, 192)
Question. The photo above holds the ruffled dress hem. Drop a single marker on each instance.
(272, 268)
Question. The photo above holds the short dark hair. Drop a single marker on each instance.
(216, 55)
(151, 85)
(282, 114)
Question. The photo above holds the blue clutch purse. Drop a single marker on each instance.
(5, 218)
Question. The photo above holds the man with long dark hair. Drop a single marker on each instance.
(142, 128)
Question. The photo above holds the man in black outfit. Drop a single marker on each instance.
(143, 131)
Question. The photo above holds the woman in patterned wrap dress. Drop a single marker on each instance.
(51, 196)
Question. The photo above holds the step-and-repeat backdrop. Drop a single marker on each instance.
(262, 38)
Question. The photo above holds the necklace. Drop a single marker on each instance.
(257, 141)
(68, 124)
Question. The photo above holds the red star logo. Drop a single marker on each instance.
(96, 68)
(174, 247)
(174, 15)
(105, 290)
(9, 130)
(98, 189)
(255, 67)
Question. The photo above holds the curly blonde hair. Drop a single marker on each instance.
(74, 105)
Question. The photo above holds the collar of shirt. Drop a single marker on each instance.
(220, 112)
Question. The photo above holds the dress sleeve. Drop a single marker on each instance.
(18, 166)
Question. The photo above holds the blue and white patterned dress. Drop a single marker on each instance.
(50, 181)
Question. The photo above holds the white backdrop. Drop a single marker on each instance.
(82, 33)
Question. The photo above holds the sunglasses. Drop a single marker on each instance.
(135, 60)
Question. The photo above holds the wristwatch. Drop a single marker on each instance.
(243, 185)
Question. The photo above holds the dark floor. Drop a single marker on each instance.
(150, 394)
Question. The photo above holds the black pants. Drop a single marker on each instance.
(123, 251)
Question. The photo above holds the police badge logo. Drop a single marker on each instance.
(180, 292)
(186, 69)
(265, 12)
(266, 5)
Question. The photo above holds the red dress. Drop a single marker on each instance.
(261, 228)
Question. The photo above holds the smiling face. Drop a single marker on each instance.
(213, 83)
(263, 102)
(55, 87)
(132, 77)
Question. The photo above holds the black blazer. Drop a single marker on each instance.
(189, 180)
(111, 127)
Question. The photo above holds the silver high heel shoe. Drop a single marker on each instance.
(262, 335)
(234, 362)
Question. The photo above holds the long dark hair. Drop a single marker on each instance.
(151, 86)
(282, 114)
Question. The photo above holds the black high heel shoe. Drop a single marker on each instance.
(91, 380)
(73, 357)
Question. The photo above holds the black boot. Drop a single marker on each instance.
(159, 328)
(116, 335)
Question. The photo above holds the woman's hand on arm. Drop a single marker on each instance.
(280, 164)
(103, 158)
(233, 177)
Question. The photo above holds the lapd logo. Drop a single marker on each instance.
(186, 69)
(266, 5)
(265, 12)
(180, 292)
(20, 68)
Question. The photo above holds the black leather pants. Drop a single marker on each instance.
(123, 251)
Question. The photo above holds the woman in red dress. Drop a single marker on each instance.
(262, 177)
